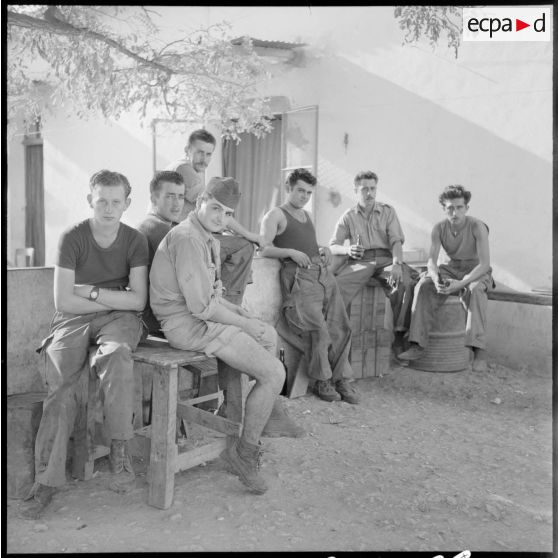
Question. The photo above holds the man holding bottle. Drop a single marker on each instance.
(375, 250)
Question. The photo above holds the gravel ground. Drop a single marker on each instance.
(427, 462)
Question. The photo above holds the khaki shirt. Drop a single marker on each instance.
(185, 285)
(381, 229)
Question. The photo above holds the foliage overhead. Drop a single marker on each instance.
(432, 23)
(91, 60)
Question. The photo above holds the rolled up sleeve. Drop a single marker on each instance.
(195, 278)
(341, 232)
(394, 230)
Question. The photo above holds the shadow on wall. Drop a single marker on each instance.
(417, 148)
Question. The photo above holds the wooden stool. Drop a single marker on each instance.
(165, 460)
(86, 450)
(372, 331)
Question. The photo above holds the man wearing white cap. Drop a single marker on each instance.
(187, 298)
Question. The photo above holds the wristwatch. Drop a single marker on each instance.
(94, 294)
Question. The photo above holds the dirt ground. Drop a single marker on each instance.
(428, 461)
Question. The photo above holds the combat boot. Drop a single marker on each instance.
(123, 478)
(244, 460)
(37, 501)
(281, 424)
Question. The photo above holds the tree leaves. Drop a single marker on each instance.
(107, 60)
(431, 23)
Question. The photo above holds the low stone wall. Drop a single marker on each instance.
(519, 335)
(30, 309)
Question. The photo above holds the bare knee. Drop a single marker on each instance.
(275, 374)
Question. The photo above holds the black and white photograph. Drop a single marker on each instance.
(278, 279)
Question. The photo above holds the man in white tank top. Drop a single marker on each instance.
(468, 275)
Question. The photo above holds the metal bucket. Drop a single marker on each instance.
(446, 350)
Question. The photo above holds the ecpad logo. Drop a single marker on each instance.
(507, 24)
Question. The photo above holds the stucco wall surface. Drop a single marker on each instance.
(30, 309)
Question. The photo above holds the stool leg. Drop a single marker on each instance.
(84, 431)
(162, 466)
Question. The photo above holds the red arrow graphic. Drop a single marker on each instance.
(519, 25)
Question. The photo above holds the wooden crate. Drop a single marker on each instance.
(372, 331)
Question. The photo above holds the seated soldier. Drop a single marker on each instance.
(468, 275)
(312, 305)
(375, 250)
(237, 249)
(100, 289)
(167, 201)
(187, 297)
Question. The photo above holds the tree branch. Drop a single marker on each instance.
(52, 24)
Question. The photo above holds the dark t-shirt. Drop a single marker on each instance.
(101, 267)
(155, 229)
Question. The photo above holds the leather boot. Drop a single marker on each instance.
(244, 460)
(37, 501)
(123, 478)
(281, 424)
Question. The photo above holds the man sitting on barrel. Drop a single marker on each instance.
(468, 275)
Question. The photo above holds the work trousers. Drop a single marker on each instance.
(314, 310)
(236, 254)
(66, 352)
(473, 297)
(352, 277)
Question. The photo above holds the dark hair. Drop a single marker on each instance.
(301, 174)
(164, 176)
(454, 191)
(365, 175)
(110, 178)
(201, 135)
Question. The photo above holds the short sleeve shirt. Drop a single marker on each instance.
(381, 229)
(155, 228)
(98, 266)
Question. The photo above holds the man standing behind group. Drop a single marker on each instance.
(375, 250)
(237, 249)
(187, 297)
(312, 305)
(468, 275)
(100, 288)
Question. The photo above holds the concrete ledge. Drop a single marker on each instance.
(519, 335)
(30, 310)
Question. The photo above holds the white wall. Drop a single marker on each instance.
(484, 121)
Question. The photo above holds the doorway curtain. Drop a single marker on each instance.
(256, 165)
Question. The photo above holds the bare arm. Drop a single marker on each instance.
(435, 245)
(237, 228)
(134, 298)
(273, 222)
